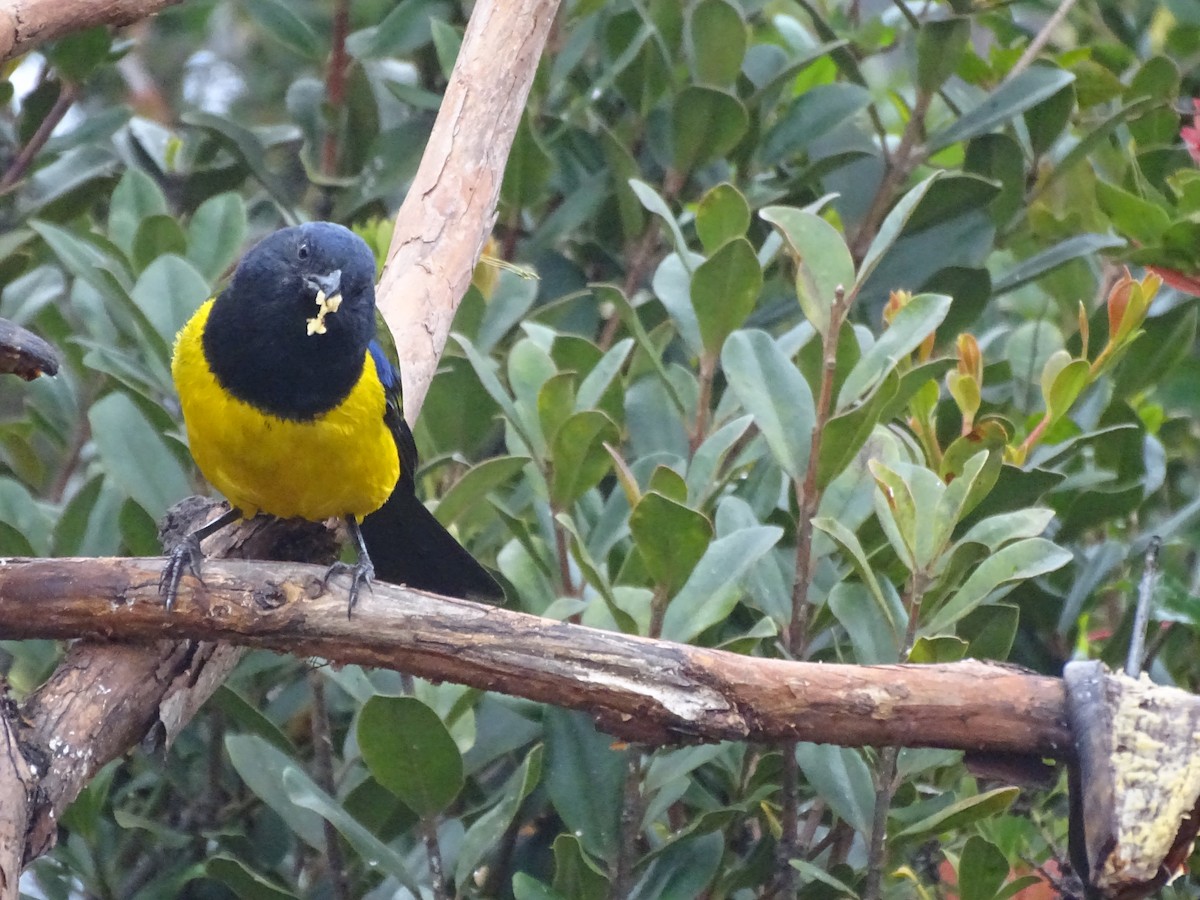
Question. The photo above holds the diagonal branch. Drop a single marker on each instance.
(451, 206)
(27, 24)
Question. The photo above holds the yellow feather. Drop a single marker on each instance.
(341, 463)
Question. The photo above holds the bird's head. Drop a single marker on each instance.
(317, 278)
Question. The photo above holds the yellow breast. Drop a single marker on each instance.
(343, 462)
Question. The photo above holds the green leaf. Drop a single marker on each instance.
(982, 869)
(874, 640)
(215, 234)
(1008, 101)
(135, 197)
(960, 814)
(1143, 221)
(670, 537)
(91, 258)
(848, 541)
(242, 880)
(529, 167)
(578, 455)
(584, 778)
(997, 530)
(248, 718)
(246, 146)
(940, 648)
(1063, 380)
(823, 261)
(997, 575)
(475, 485)
(703, 468)
(405, 29)
(576, 875)
(303, 792)
(893, 225)
(156, 236)
(446, 42)
(717, 45)
(556, 401)
(723, 214)
(772, 390)
(706, 123)
(1035, 267)
(410, 752)
(816, 112)
(488, 830)
(596, 384)
(814, 873)
(912, 324)
(77, 55)
(940, 46)
(261, 766)
(841, 779)
(949, 196)
(712, 589)
(724, 289)
(526, 887)
(654, 203)
(280, 21)
(990, 631)
(683, 869)
(168, 292)
(672, 284)
(846, 433)
(153, 476)
(896, 509)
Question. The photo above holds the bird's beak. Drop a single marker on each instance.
(328, 289)
(330, 285)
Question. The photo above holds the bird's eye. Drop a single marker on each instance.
(302, 251)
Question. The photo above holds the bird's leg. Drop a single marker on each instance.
(361, 573)
(186, 556)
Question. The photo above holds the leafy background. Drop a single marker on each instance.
(627, 435)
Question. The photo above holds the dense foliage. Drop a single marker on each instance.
(732, 222)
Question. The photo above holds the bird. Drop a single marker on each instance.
(292, 408)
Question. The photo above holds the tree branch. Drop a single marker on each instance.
(655, 692)
(26, 24)
(451, 206)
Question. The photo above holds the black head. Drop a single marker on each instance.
(268, 339)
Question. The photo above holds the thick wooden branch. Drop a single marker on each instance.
(451, 206)
(105, 697)
(25, 24)
(642, 690)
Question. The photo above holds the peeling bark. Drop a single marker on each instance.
(105, 697)
(654, 692)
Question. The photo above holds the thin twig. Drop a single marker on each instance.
(323, 776)
(434, 851)
(20, 165)
(1141, 616)
(631, 821)
(808, 497)
(1039, 41)
(885, 790)
(335, 102)
(903, 161)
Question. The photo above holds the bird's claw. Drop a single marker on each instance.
(186, 556)
(362, 573)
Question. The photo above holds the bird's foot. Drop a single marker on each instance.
(186, 556)
(362, 573)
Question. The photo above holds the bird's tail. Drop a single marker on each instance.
(409, 546)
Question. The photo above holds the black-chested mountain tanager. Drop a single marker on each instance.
(293, 409)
